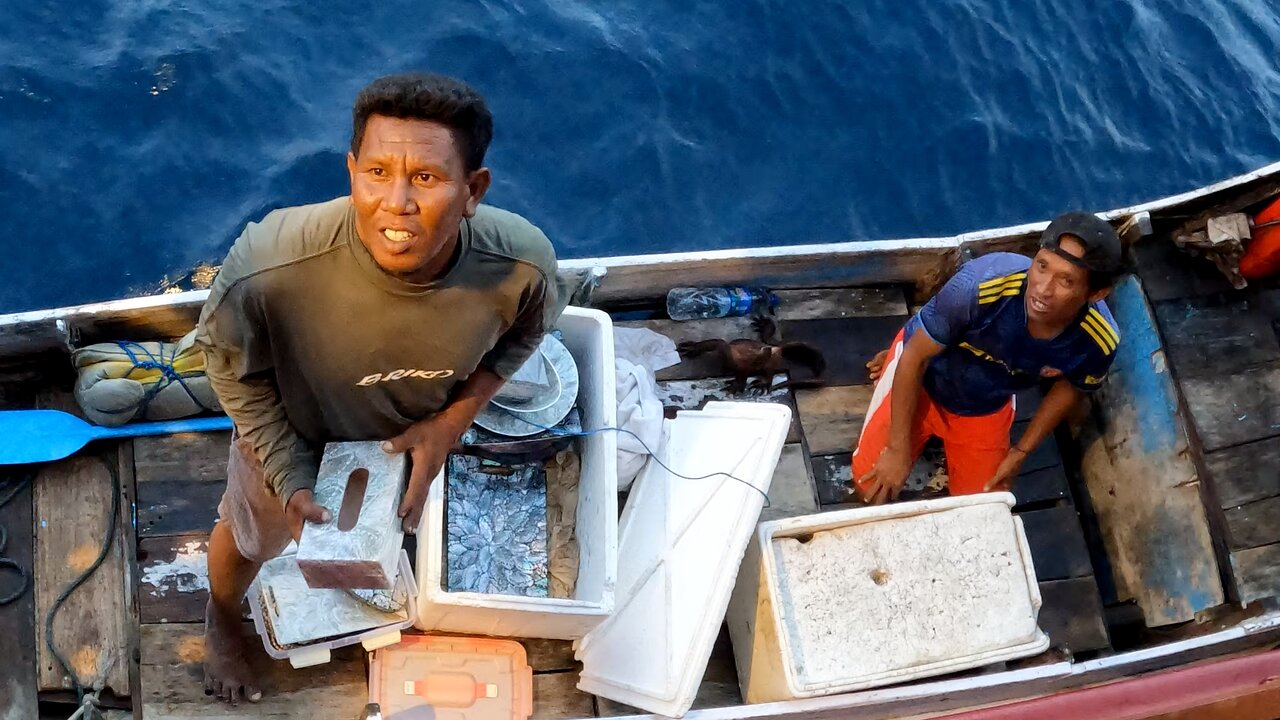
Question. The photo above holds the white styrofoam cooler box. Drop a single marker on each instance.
(681, 542)
(854, 599)
(588, 335)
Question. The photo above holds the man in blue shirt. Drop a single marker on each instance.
(1002, 323)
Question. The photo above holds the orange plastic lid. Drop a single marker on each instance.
(452, 678)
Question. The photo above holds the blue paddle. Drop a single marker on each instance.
(36, 436)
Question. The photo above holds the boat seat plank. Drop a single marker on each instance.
(180, 481)
(845, 265)
(1141, 480)
(1071, 614)
(705, 366)
(832, 476)
(18, 683)
(556, 695)
(1246, 473)
(846, 343)
(1041, 485)
(792, 491)
(1231, 409)
(173, 680)
(1257, 572)
(817, 303)
(833, 479)
(92, 629)
(1057, 543)
(832, 417)
(1168, 273)
(1253, 524)
(1026, 403)
(173, 578)
(693, 394)
(549, 655)
(1046, 454)
(1215, 338)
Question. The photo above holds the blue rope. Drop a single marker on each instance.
(164, 365)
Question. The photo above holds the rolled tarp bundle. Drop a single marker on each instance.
(125, 380)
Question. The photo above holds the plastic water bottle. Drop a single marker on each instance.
(699, 303)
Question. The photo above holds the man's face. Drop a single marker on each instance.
(410, 189)
(1056, 288)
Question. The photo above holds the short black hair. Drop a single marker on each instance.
(427, 96)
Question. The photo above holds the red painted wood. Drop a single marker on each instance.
(1155, 695)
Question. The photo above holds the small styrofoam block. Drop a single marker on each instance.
(588, 335)
(923, 588)
(358, 547)
(681, 542)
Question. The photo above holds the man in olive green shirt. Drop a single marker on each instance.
(393, 314)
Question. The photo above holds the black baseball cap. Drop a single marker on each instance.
(1102, 252)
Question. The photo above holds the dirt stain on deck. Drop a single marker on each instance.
(81, 557)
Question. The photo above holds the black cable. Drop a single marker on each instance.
(114, 472)
(652, 454)
(8, 492)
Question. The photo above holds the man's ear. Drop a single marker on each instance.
(351, 168)
(1098, 295)
(477, 185)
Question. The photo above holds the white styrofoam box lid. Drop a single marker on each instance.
(681, 542)
(871, 596)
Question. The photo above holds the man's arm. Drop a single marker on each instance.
(1062, 397)
(893, 465)
(429, 441)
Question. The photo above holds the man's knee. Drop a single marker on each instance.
(257, 542)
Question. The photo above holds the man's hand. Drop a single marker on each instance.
(875, 366)
(1007, 471)
(301, 508)
(428, 443)
(886, 479)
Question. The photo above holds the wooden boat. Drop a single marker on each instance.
(1168, 486)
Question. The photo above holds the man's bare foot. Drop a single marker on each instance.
(226, 673)
(876, 365)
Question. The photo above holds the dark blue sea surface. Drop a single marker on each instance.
(137, 137)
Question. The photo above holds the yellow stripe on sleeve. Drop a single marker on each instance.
(1104, 341)
(1104, 326)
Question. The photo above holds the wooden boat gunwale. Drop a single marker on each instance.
(912, 260)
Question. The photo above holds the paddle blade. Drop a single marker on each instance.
(35, 436)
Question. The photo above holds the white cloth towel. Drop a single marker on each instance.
(639, 353)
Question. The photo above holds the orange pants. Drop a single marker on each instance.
(974, 446)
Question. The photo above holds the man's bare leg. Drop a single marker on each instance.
(226, 674)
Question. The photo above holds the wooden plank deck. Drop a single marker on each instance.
(18, 684)
(92, 630)
(1225, 352)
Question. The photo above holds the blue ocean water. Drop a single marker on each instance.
(138, 136)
